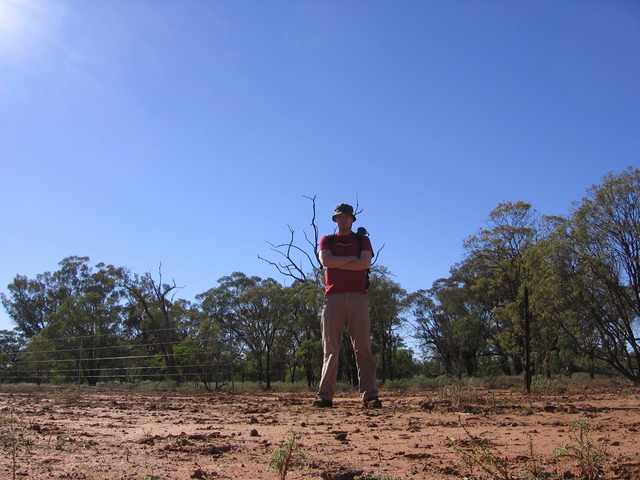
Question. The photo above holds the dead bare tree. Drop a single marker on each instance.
(296, 262)
(156, 303)
(291, 265)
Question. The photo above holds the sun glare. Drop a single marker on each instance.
(25, 25)
(11, 16)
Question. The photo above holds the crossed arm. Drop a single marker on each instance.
(349, 262)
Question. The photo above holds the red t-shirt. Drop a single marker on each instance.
(338, 280)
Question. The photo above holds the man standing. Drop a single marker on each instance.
(346, 258)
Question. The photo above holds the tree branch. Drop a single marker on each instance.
(290, 267)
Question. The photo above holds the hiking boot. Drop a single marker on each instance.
(372, 403)
(321, 403)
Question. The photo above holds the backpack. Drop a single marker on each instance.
(360, 233)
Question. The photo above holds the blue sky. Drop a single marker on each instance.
(186, 133)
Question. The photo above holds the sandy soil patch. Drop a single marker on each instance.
(417, 435)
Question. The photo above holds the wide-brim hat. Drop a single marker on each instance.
(343, 208)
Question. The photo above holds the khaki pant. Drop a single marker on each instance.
(352, 309)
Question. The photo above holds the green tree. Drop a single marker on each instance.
(27, 304)
(11, 343)
(557, 303)
(71, 317)
(36, 360)
(387, 304)
(451, 323)
(303, 334)
(208, 354)
(156, 315)
(83, 333)
(31, 302)
(599, 248)
(254, 311)
(498, 271)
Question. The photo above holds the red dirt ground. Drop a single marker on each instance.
(95, 435)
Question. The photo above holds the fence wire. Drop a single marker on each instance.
(82, 362)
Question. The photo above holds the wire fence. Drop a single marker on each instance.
(87, 359)
(213, 375)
